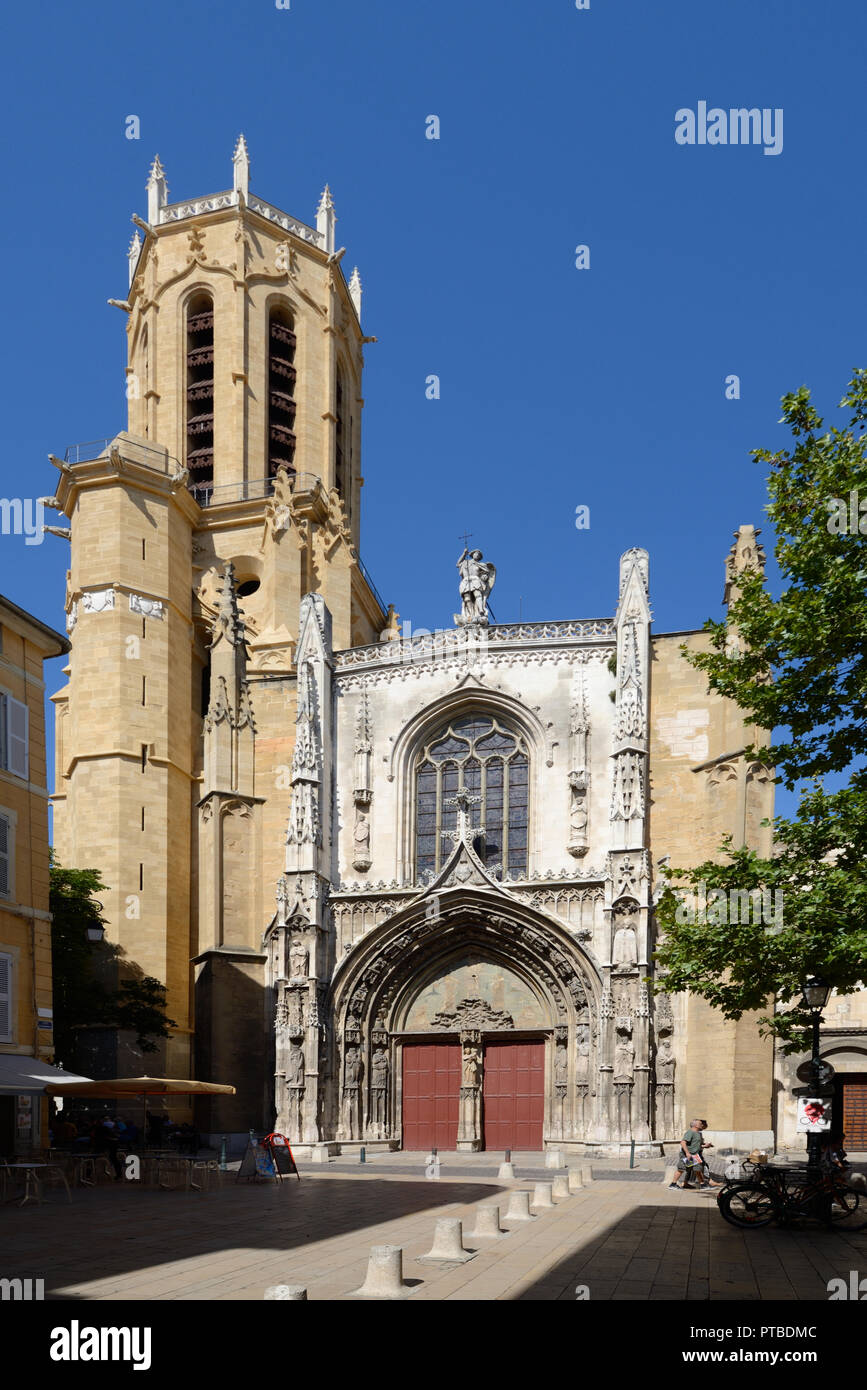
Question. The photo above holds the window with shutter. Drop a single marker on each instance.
(16, 736)
(5, 856)
(5, 998)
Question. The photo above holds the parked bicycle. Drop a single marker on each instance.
(767, 1193)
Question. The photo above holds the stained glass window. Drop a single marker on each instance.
(490, 761)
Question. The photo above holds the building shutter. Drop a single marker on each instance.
(5, 855)
(5, 998)
(16, 736)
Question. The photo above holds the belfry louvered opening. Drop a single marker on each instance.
(281, 391)
(200, 390)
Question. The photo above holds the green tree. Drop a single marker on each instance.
(94, 986)
(799, 668)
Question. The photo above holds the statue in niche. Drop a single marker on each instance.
(379, 1070)
(665, 1064)
(624, 954)
(477, 581)
(352, 1069)
(471, 1066)
(583, 1050)
(299, 958)
(561, 1066)
(361, 836)
(624, 1057)
(295, 1068)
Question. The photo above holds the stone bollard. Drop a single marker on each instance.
(292, 1293)
(554, 1159)
(519, 1207)
(560, 1187)
(670, 1175)
(574, 1180)
(542, 1195)
(384, 1277)
(448, 1243)
(487, 1223)
(586, 1171)
(506, 1172)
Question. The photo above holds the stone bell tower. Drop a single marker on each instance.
(234, 491)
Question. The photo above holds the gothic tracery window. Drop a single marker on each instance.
(490, 761)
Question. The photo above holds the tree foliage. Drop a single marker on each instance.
(797, 666)
(94, 986)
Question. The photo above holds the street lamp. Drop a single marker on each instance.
(815, 994)
(95, 934)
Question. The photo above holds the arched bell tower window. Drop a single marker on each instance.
(200, 392)
(281, 391)
(490, 761)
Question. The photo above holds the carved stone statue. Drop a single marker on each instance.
(299, 958)
(561, 1067)
(295, 1069)
(361, 837)
(379, 1069)
(625, 952)
(665, 1064)
(624, 1058)
(352, 1070)
(471, 1067)
(351, 1093)
(477, 581)
(582, 1035)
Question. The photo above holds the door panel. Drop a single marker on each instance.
(431, 1095)
(514, 1095)
(855, 1113)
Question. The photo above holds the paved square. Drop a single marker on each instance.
(621, 1239)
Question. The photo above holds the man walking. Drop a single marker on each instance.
(690, 1153)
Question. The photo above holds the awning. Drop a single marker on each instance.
(21, 1076)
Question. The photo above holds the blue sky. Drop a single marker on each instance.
(559, 387)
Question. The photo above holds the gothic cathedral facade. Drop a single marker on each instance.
(399, 889)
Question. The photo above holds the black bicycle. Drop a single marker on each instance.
(788, 1196)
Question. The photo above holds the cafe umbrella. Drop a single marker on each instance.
(141, 1086)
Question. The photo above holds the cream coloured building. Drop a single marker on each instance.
(26, 997)
(399, 888)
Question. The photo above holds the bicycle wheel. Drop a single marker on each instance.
(848, 1212)
(746, 1206)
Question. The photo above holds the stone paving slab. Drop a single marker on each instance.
(624, 1241)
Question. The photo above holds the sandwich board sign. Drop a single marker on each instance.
(281, 1154)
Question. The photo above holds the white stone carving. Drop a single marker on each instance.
(146, 607)
(98, 600)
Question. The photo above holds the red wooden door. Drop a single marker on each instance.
(855, 1112)
(514, 1095)
(431, 1095)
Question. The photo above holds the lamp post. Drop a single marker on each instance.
(815, 995)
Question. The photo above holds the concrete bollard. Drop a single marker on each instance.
(586, 1171)
(384, 1278)
(542, 1195)
(292, 1293)
(506, 1172)
(554, 1159)
(448, 1243)
(560, 1187)
(487, 1225)
(574, 1180)
(519, 1207)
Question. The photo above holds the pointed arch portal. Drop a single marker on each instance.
(466, 1022)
